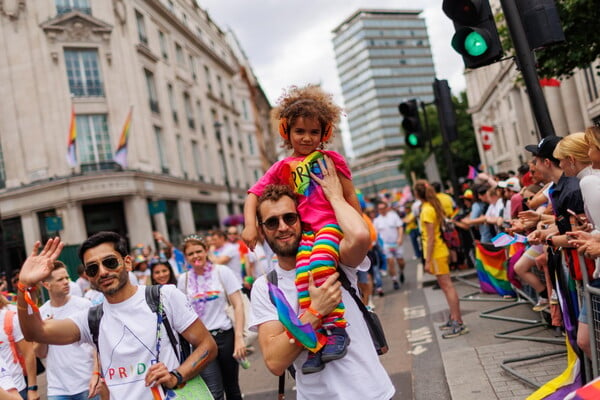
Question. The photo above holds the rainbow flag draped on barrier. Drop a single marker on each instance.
(491, 265)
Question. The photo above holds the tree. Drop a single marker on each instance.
(582, 46)
(464, 150)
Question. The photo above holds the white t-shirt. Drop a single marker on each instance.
(6, 380)
(127, 340)
(232, 251)
(258, 256)
(357, 375)
(387, 226)
(94, 296)
(84, 284)
(14, 368)
(74, 289)
(69, 367)
(214, 312)
(495, 210)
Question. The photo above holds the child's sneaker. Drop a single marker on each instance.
(541, 305)
(313, 363)
(336, 346)
(455, 330)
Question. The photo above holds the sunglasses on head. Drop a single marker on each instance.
(112, 263)
(272, 223)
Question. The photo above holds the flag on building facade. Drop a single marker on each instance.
(71, 149)
(486, 136)
(121, 152)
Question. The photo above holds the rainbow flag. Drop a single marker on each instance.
(568, 381)
(71, 150)
(491, 265)
(121, 152)
(591, 391)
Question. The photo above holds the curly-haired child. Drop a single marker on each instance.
(305, 118)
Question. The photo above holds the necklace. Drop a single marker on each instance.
(200, 286)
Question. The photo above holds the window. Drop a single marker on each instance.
(83, 73)
(245, 109)
(172, 102)
(170, 5)
(251, 149)
(152, 96)
(181, 153)
(188, 110)
(192, 66)
(163, 45)
(197, 162)
(590, 82)
(93, 139)
(199, 110)
(160, 147)
(220, 87)
(141, 27)
(179, 55)
(65, 6)
(208, 82)
(231, 96)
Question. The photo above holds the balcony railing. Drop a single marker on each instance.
(100, 166)
(95, 89)
(60, 10)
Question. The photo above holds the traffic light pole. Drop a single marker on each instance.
(526, 63)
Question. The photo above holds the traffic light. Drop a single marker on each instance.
(445, 110)
(413, 134)
(476, 38)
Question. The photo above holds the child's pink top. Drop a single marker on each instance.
(314, 208)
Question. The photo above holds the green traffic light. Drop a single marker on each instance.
(412, 140)
(475, 44)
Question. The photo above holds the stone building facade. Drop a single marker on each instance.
(198, 127)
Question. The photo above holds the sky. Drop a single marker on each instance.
(289, 42)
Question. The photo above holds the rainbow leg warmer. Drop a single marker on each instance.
(319, 254)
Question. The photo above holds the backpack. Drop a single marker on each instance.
(8, 329)
(152, 299)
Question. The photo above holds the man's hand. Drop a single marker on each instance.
(330, 183)
(325, 298)
(535, 237)
(158, 374)
(38, 267)
(529, 216)
(591, 249)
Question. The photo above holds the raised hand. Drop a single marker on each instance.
(38, 267)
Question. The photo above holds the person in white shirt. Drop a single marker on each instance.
(69, 368)
(226, 253)
(128, 332)
(357, 375)
(390, 228)
(8, 389)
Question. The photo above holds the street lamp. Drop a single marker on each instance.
(218, 126)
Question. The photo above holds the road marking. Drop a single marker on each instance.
(414, 312)
(417, 339)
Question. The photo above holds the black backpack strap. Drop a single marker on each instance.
(343, 278)
(94, 316)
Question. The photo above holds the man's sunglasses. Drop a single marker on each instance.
(111, 263)
(272, 223)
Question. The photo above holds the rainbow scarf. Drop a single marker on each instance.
(492, 270)
(303, 333)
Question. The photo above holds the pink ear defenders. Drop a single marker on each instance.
(284, 130)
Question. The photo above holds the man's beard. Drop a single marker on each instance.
(284, 250)
(123, 277)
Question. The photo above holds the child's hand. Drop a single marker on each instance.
(249, 236)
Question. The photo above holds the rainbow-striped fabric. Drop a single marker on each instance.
(491, 265)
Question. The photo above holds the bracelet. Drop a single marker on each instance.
(26, 290)
(22, 288)
(314, 312)
(32, 387)
(97, 373)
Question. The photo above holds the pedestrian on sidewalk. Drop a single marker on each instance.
(437, 255)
